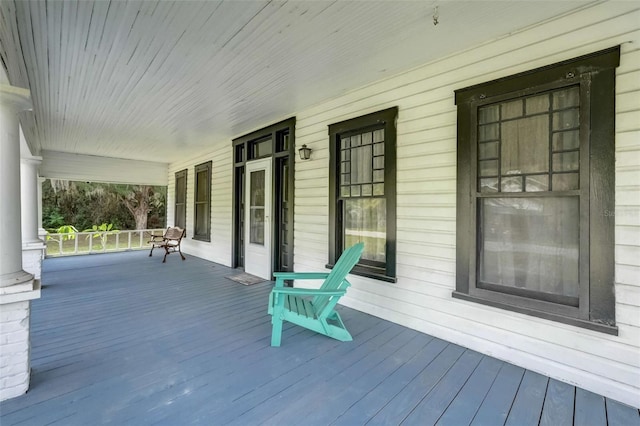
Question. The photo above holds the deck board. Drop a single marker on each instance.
(558, 405)
(590, 409)
(527, 407)
(124, 339)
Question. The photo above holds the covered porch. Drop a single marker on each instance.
(121, 338)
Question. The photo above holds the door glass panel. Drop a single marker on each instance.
(257, 210)
(530, 244)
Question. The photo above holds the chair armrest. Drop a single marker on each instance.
(156, 238)
(301, 275)
(281, 276)
(308, 291)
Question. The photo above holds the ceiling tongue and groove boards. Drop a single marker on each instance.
(152, 80)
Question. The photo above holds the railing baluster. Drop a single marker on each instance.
(53, 238)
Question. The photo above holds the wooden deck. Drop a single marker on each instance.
(124, 339)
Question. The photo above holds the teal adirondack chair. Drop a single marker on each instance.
(313, 308)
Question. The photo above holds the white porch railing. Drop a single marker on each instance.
(70, 244)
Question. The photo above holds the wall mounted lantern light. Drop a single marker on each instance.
(305, 153)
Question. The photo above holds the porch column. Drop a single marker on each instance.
(42, 233)
(32, 246)
(17, 287)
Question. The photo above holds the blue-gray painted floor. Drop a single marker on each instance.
(124, 339)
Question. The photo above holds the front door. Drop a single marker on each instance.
(257, 255)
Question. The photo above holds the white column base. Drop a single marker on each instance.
(15, 310)
(32, 255)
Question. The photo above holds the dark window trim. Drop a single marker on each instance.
(387, 118)
(243, 144)
(178, 175)
(199, 168)
(596, 74)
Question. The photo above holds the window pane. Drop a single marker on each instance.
(488, 150)
(378, 189)
(345, 191)
(378, 162)
(180, 215)
(565, 181)
(201, 219)
(239, 153)
(367, 138)
(262, 148)
(537, 104)
(512, 109)
(378, 149)
(361, 164)
(568, 119)
(530, 243)
(345, 179)
(180, 192)
(365, 221)
(488, 132)
(378, 175)
(202, 187)
(488, 114)
(488, 167)
(566, 140)
(489, 185)
(511, 184)
(345, 143)
(566, 98)
(566, 161)
(525, 145)
(537, 183)
(378, 135)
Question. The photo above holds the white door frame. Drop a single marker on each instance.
(258, 258)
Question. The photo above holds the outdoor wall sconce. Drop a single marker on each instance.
(305, 153)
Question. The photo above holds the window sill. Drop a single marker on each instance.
(374, 273)
(203, 239)
(603, 328)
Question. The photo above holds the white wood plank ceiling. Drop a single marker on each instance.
(160, 80)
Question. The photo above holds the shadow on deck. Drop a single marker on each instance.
(124, 339)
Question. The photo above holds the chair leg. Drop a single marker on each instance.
(166, 252)
(180, 251)
(151, 252)
(276, 331)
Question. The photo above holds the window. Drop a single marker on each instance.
(362, 191)
(202, 203)
(180, 212)
(535, 180)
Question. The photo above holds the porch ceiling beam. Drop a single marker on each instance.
(92, 168)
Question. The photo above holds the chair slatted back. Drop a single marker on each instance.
(174, 233)
(336, 280)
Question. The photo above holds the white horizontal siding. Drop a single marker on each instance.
(91, 168)
(219, 248)
(426, 189)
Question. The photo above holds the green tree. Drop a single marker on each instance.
(140, 200)
(84, 204)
